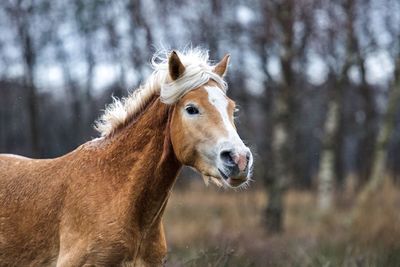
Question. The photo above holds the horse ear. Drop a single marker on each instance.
(175, 66)
(222, 67)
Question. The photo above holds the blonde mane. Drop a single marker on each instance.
(198, 71)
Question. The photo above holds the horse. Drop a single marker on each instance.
(102, 204)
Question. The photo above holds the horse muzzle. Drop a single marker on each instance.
(236, 166)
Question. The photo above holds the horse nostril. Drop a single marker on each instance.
(227, 157)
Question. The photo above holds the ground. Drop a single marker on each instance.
(206, 226)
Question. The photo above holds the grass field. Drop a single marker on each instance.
(206, 226)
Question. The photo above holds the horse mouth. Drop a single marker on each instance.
(223, 175)
(231, 181)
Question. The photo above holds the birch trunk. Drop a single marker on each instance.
(327, 162)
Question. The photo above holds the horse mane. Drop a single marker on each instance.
(198, 71)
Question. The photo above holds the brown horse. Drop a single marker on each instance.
(101, 204)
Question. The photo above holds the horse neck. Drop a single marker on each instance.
(142, 156)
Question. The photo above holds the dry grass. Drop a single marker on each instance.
(377, 221)
(206, 226)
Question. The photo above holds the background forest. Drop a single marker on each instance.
(318, 85)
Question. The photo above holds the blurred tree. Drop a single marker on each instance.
(362, 42)
(278, 15)
(22, 17)
(330, 167)
(89, 20)
(114, 44)
(281, 17)
(74, 92)
(387, 126)
(30, 39)
(142, 36)
(326, 177)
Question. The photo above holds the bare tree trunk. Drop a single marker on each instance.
(29, 57)
(74, 93)
(211, 35)
(114, 44)
(274, 212)
(87, 24)
(284, 109)
(139, 25)
(33, 115)
(88, 108)
(384, 135)
(282, 136)
(365, 150)
(279, 179)
(90, 67)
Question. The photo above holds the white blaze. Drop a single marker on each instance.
(231, 141)
(218, 99)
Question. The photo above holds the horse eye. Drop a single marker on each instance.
(192, 110)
